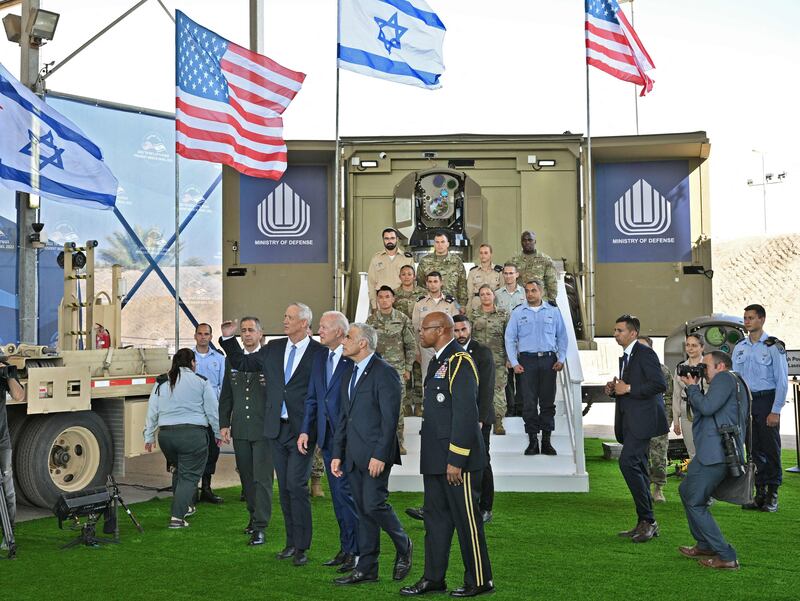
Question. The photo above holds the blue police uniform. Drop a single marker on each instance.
(764, 369)
(536, 338)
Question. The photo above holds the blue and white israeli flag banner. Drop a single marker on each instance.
(44, 153)
(398, 40)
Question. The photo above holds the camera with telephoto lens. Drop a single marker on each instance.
(692, 371)
(730, 446)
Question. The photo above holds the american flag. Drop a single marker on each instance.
(613, 46)
(229, 102)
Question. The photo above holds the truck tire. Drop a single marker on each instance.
(62, 453)
(17, 421)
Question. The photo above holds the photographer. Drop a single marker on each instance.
(719, 426)
(8, 384)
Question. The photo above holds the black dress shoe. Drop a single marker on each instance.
(415, 512)
(286, 553)
(356, 577)
(300, 558)
(402, 563)
(337, 560)
(348, 565)
(207, 495)
(257, 538)
(486, 516)
(472, 591)
(423, 586)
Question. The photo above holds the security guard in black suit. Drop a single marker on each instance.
(241, 415)
(452, 461)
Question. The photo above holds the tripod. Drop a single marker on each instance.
(118, 501)
(87, 536)
(5, 521)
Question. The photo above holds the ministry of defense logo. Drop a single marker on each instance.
(284, 214)
(642, 210)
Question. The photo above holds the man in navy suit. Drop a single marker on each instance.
(322, 417)
(726, 402)
(286, 364)
(365, 446)
(640, 416)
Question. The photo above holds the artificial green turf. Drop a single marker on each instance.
(542, 546)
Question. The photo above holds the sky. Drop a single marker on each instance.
(512, 67)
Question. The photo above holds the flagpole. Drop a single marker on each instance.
(177, 210)
(589, 213)
(337, 299)
(635, 91)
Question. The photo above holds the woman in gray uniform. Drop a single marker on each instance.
(182, 405)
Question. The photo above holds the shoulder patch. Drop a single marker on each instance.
(515, 307)
(498, 268)
(161, 378)
(773, 341)
(449, 299)
(200, 376)
(408, 254)
(422, 297)
(473, 267)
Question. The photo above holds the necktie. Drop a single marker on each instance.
(287, 375)
(353, 381)
(329, 368)
(624, 365)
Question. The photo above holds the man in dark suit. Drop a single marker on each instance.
(640, 416)
(484, 361)
(452, 462)
(725, 403)
(322, 418)
(365, 446)
(286, 364)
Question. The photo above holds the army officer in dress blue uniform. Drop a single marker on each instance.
(451, 462)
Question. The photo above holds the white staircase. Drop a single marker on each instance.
(513, 471)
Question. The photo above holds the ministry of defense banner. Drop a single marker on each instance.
(285, 221)
(642, 212)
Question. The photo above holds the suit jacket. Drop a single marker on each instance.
(368, 420)
(718, 403)
(322, 400)
(242, 402)
(450, 431)
(484, 361)
(641, 412)
(269, 360)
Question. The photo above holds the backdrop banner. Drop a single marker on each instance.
(285, 221)
(643, 212)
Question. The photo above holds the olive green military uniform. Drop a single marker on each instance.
(537, 266)
(397, 344)
(660, 444)
(490, 329)
(454, 278)
(242, 402)
(384, 270)
(477, 277)
(404, 301)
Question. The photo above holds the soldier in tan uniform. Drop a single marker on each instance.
(489, 328)
(533, 265)
(397, 344)
(434, 301)
(405, 297)
(451, 268)
(384, 267)
(484, 272)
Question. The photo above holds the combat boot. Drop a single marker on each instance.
(758, 500)
(533, 445)
(206, 494)
(770, 499)
(316, 487)
(499, 430)
(547, 448)
(658, 494)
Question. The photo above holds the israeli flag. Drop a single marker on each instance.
(398, 40)
(44, 153)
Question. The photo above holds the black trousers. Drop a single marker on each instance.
(213, 455)
(487, 479)
(634, 465)
(513, 395)
(538, 392)
(293, 470)
(374, 514)
(254, 462)
(449, 508)
(766, 449)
